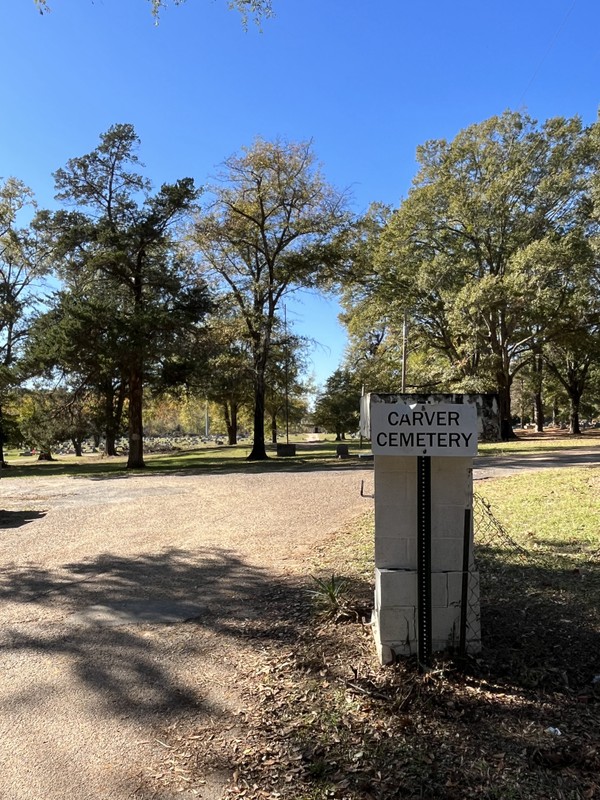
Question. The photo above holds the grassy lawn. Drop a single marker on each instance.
(315, 455)
(332, 723)
(530, 442)
(207, 458)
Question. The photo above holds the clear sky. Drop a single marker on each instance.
(366, 80)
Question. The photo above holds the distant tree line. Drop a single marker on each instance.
(127, 298)
(175, 292)
(487, 276)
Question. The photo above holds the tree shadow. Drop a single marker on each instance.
(540, 621)
(15, 519)
(480, 729)
(121, 664)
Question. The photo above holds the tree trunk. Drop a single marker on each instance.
(274, 428)
(555, 412)
(112, 415)
(45, 455)
(230, 414)
(506, 429)
(574, 413)
(77, 447)
(110, 442)
(538, 413)
(3, 464)
(259, 452)
(136, 429)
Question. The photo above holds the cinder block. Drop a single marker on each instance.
(446, 555)
(385, 653)
(455, 588)
(394, 553)
(392, 487)
(473, 629)
(396, 625)
(394, 519)
(452, 479)
(398, 587)
(439, 590)
(404, 649)
(395, 587)
(385, 464)
(447, 521)
(445, 626)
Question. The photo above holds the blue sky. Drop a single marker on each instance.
(366, 80)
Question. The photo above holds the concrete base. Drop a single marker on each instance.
(395, 614)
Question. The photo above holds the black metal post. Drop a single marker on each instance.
(424, 560)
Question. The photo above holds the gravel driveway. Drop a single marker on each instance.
(82, 697)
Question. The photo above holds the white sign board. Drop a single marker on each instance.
(441, 429)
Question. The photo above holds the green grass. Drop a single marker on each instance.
(556, 509)
(529, 443)
(209, 458)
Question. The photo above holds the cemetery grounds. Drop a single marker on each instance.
(311, 713)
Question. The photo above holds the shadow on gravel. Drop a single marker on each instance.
(132, 669)
(15, 519)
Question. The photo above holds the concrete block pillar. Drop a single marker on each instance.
(395, 615)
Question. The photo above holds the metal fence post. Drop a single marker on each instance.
(424, 560)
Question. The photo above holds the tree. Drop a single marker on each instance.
(49, 417)
(120, 242)
(20, 265)
(338, 406)
(268, 231)
(79, 341)
(226, 378)
(285, 393)
(458, 255)
(249, 9)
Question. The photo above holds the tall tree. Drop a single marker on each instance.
(338, 406)
(21, 264)
(268, 231)
(285, 394)
(455, 253)
(120, 239)
(79, 342)
(227, 377)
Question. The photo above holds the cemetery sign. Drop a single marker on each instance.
(441, 429)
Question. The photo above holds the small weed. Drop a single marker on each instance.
(329, 594)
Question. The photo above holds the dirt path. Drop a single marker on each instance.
(81, 702)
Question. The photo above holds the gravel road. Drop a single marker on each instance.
(81, 697)
(90, 676)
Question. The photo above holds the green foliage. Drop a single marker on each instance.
(268, 230)
(337, 408)
(491, 252)
(129, 305)
(329, 594)
(255, 10)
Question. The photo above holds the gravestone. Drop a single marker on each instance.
(286, 449)
(426, 584)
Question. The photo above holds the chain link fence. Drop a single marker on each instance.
(497, 568)
(538, 610)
